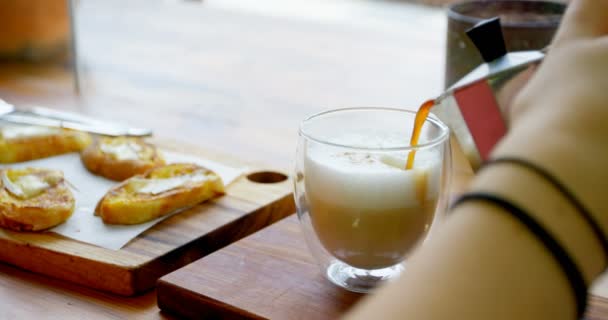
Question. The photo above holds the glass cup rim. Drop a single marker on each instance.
(445, 131)
(454, 13)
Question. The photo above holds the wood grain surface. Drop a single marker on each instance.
(269, 275)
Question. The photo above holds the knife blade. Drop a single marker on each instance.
(61, 119)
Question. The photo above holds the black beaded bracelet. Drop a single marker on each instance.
(601, 236)
(566, 262)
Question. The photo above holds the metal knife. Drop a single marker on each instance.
(60, 119)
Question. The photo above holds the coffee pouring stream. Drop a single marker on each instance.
(476, 107)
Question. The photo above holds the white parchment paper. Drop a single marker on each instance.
(84, 225)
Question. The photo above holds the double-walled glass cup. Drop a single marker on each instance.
(361, 211)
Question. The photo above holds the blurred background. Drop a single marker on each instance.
(186, 59)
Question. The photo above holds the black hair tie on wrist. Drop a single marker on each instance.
(601, 236)
(566, 262)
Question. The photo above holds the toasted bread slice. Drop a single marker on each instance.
(120, 158)
(24, 142)
(160, 191)
(34, 199)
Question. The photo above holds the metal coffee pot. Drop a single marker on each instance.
(476, 107)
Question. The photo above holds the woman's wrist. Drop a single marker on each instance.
(550, 208)
(570, 154)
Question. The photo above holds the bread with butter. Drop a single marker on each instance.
(159, 191)
(119, 158)
(20, 143)
(34, 199)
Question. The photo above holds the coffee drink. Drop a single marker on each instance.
(366, 209)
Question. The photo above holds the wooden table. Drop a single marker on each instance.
(230, 79)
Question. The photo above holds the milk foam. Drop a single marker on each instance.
(362, 179)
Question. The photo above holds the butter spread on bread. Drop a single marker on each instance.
(128, 150)
(157, 186)
(34, 199)
(158, 192)
(119, 158)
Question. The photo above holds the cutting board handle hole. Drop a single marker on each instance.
(266, 177)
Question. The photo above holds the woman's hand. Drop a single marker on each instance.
(575, 72)
(560, 119)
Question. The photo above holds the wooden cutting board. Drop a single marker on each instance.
(268, 275)
(252, 202)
